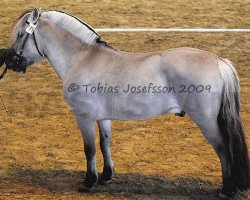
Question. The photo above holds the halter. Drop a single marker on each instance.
(3, 74)
(29, 31)
(19, 56)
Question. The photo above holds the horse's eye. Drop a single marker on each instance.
(20, 35)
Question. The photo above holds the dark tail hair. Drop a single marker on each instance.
(231, 126)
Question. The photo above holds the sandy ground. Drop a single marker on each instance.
(41, 153)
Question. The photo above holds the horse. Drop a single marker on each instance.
(102, 84)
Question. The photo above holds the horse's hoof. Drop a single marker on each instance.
(85, 189)
(224, 196)
(104, 182)
(89, 183)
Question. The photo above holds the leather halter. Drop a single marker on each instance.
(29, 31)
(4, 72)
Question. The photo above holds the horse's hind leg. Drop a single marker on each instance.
(87, 127)
(105, 144)
(210, 130)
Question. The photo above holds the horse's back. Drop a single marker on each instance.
(191, 59)
(181, 69)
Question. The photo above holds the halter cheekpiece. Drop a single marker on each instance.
(29, 31)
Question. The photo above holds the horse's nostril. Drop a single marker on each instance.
(16, 59)
(9, 64)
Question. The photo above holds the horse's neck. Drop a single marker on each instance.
(61, 50)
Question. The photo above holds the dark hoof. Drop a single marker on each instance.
(102, 181)
(89, 183)
(227, 192)
(224, 196)
(106, 176)
(85, 189)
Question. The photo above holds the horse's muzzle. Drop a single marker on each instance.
(16, 62)
(3, 55)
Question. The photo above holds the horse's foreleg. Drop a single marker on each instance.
(105, 144)
(87, 127)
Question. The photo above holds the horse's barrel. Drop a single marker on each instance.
(3, 56)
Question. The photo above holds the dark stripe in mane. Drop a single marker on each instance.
(90, 28)
(98, 40)
(104, 44)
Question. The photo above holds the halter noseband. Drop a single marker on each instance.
(29, 31)
(19, 56)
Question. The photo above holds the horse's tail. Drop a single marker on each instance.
(231, 127)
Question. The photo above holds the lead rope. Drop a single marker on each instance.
(4, 72)
(3, 55)
(29, 31)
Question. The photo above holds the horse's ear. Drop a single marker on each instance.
(34, 16)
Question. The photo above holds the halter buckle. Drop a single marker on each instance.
(30, 29)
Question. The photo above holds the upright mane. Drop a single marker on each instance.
(74, 25)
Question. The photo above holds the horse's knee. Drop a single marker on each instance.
(89, 151)
(105, 142)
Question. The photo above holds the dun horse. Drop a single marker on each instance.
(102, 84)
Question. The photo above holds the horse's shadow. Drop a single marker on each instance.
(62, 180)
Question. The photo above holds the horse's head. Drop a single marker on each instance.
(26, 48)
